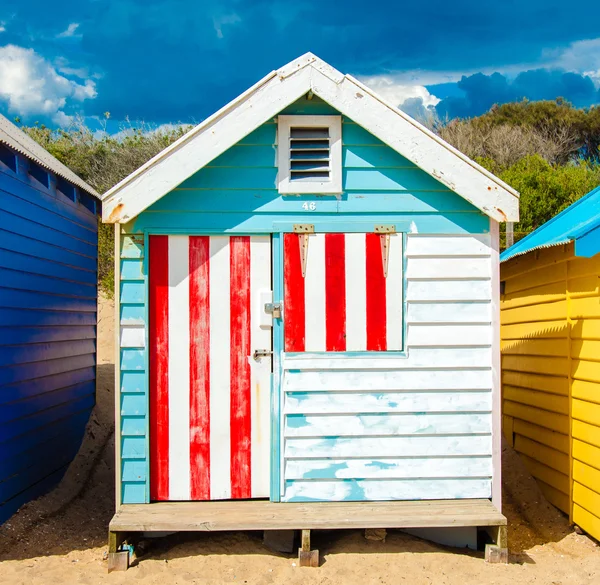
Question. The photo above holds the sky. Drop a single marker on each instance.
(178, 61)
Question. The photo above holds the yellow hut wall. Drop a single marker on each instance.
(550, 330)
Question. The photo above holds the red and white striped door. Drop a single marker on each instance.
(343, 292)
(209, 400)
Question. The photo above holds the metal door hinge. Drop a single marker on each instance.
(385, 229)
(304, 228)
(259, 353)
(273, 309)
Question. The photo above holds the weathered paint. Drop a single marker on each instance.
(440, 383)
(48, 276)
(551, 375)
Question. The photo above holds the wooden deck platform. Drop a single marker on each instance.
(265, 515)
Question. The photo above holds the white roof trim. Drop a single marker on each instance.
(272, 94)
(16, 139)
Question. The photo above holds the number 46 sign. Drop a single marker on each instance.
(309, 206)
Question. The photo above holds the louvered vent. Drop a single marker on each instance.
(309, 154)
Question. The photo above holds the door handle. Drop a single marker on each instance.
(259, 353)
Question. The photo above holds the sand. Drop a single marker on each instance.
(61, 538)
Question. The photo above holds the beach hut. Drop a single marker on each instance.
(48, 276)
(309, 320)
(551, 357)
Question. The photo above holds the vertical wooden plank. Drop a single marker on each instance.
(117, 357)
(294, 298)
(376, 295)
(158, 256)
(240, 423)
(199, 368)
(356, 293)
(394, 284)
(314, 291)
(335, 292)
(496, 386)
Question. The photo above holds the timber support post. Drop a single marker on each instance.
(118, 560)
(306, 556)
(497, 552)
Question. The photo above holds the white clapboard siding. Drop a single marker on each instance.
(133, 336)
(387, 402)
(410, 425)
(424, 335)
(401, 489)
(383, 380)
(459, 245)
(389, 424)
(392, 468)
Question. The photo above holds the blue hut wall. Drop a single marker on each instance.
(48, 300)
(237, 193)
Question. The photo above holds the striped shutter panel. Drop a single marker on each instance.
(344, 301)
(209, 402)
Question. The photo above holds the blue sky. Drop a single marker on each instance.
(170, 61)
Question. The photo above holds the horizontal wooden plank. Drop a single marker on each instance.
(36, 352)
(18, 279)
(133, 314)
(132, 292)
(388, 468)
(375, 447)
(585, 286)
(585, 370)
(549, 420)
(584, 452)
(31, 371)
(536, 347)
(300, 425)
(133, 336)
(133, 426)
(587, 521)
(586, 475)
(428, 245)
(582, 308)
(585, 329)
(264, 515)
(133, 404)
(557, 498)
(535, 277)
(550, 366)
(556, 479)
(133, 471)
(555, 291)
(542, 400)
(588, 391)
(448, 268)
(586, 498)
(518, 265)
(586, 349)
(588, 434)
(21, 335)
(440, 335)
(558, 441)
(11, 317)
(132, 269)
(545, 312)
(448, 290)
(386, 402)
(133, 359)
(542, 382)
(540, 330)
(133, 381)
(24, 299)
(579, 266)
(133, 448)
(340, 380)
(587, 412)
(435, 312)
(132, 246)
(546, 455)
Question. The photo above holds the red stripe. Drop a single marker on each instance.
(376, 301)
(335, 292)
(293, 294)
(159, 366)
(241, 415)
(199, 368)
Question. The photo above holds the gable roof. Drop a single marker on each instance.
(16, 139)
(272, 94)
(577, 223)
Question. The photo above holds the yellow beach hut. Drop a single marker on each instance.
(550, 330)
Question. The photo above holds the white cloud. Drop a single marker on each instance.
(70, 32)
(2, 26)
(220, 21)
(30, 85)
(580, 56)
(396, 89)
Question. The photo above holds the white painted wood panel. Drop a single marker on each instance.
(408, 489)
(393, 425)
(441, 245)
(356, 292)
(133, 336)
(432, 312)
(448, 268)
(425, 335)
(449, 290)
(377, 380)
(386, 402)
(373, 447)
(398, 468)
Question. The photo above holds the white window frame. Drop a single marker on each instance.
(331, 187)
